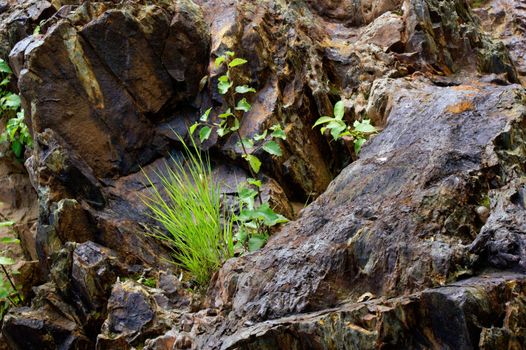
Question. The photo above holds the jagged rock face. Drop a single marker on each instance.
(410, 322)
(505, 20)
(436, 196)
(403, 216)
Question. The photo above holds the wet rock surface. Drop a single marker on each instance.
(418, 243)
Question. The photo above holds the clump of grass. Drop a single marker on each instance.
(186, 203)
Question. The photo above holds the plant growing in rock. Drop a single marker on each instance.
(254, 219)
(338, 128)
(190, 216)
(16, 131)
(9, 295)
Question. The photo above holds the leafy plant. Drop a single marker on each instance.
(338, 128)
(254, 219)
(190, 216)
(9, 295)
(16, 131)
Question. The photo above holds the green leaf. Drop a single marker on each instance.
(237, 62)
(336, 132)
(204, 133)
(254, 162)
(9, 240)
(254, 182)
(246, 196)
(204, 117)
(273, 148)
(4, 260)
(358, 145)
(322, 120)
(192, 128)
(246, 193)
(243, 105)
(278, 132)
(17, 147)
(224, 84)
(225, 115)
(6, 223)
(248, 143)
(5, 81)
(220, 60)
(236, 125)
(230, 53)
(12, 101)
(259, 137)
(4, 67)
(244, 89)
(222, 132)
(241, 235)
(257, 242)
(268, 216)
(339, 110)
(364, 126)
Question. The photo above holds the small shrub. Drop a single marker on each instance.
(337, 127)
(190, 216)
(255, 218)
(16, 131)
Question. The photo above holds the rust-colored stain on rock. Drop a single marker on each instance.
(460, 107)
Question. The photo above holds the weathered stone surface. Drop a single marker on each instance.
(505, 20)
(50, 323)
(132, 316)
(18, 19)
(471, 311)
(18, 203)
(435, 197)
(401, 218)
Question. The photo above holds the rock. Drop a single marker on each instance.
(131, 317)
(512, 333)
(163, 342)
(504, 20)
(470, 309)
(18, 203)
(49, 324)
(18, 19)
(401, 218)
(104, 83)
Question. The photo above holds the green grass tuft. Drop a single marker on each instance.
(187, 206)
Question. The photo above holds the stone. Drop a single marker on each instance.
(504, 20)
(131, 317)
(49, 324)
(408, 322)
(400, 241)
(390, 248)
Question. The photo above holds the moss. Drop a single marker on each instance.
(485, 201)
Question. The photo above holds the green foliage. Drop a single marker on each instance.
(338, 128)
(190, 217)
(16, 131)
(9, 295)
(254, 221)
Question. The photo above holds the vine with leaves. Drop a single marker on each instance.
(255, 217)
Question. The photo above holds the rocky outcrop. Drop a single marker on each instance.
(471, 317)
(403, 238)
(505, 20)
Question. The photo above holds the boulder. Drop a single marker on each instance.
(133, 315)
(401, 218)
